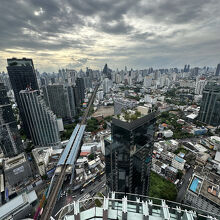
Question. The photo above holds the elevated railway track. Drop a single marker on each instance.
(68, 157)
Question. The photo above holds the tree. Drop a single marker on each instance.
(108, 118)
(44, 177)
(92, 125)
(162, 188)
(179, 174)
(91, 157)
(104, 125)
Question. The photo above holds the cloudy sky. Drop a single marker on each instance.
(137, 33)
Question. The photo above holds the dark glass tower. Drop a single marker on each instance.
(77, 97)
(210, 106)
(10, 140)
(81, 88)
(217, 72)
(22, 75)
(128, 155)
(107, 72)
(56, 97)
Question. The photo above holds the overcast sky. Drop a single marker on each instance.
(137, 33)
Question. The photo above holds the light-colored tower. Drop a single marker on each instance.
(42, 122)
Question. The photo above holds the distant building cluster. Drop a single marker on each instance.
(160, 121)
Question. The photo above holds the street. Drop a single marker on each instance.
(183, 188)
(77, 195)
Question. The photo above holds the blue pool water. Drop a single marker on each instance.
(194, 184)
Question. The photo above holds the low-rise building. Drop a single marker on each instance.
(94, 163)
(171, 173)
(215, 140)
(203, 192)
(91, 147)
(17, 169)
(168, 133)
(178, 163)
(166, 155)
(201, 158)
(18, 208)
(156, 165)
(41, 157)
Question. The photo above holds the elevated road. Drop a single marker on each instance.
(53, 194)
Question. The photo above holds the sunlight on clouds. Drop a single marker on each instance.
(38, 12)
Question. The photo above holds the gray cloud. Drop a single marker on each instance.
(180, 30)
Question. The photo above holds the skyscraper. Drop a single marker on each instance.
(200, 85)
(42, 122)
(217, 72)
(128, 155)
(107, 72)
(87, 82)
(72, 100)
(107, 85)
(56, 97)
(210, 106)
(22, 74)
(10, 140)
(81, 88)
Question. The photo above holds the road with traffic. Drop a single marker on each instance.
(184, 185)
(69, 196)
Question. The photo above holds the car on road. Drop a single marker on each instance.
(82, 190)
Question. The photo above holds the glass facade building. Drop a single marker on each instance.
(128, 155)
(81, 88)
(10, 140)
(22, 75)
(58, 99)
(209, 109)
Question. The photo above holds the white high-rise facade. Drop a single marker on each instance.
(147, 81)
(41, 121)
(107, 84)
(200, 85)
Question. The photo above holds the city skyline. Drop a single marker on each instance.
(139, 33)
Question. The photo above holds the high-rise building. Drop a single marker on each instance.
(77, 97)
(10, 140)
(186, 68)
(209, 110)
(200, 85)
(81, 88)
(42, 122)
(56, 97)
(106, 71)
(72, 100)
(217, 72)
(128, 154)
(107, 85)
(22, 74)
(87, 82)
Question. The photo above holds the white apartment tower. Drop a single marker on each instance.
(42, 122)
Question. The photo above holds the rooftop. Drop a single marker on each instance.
(133, 124)
(130, 207)
(15, 161)
(15, 205)
(179, 159)
(129, 115)
(207, 187)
